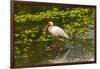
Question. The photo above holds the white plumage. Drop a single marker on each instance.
(56, 31)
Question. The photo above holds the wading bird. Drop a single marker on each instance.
(58, 33)
(55, 30)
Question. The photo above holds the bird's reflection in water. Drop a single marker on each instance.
(70, 51)
(60, 49)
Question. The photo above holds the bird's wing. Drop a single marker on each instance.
(57, 31)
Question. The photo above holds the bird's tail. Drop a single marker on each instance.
(66, 36)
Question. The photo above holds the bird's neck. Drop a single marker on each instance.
(49, 28)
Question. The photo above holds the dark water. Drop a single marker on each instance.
(52, 51)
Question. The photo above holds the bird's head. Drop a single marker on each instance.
(50, 23)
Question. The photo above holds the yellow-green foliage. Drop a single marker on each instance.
(31, 40)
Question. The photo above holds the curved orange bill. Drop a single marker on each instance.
(46, 27)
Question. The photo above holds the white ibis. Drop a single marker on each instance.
(55, 30)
